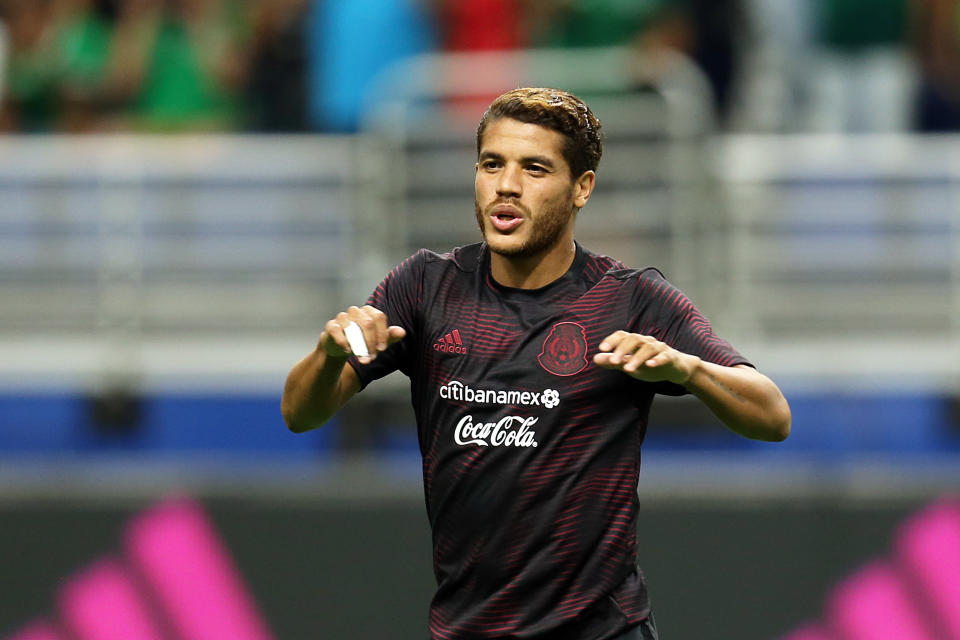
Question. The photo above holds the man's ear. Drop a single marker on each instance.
(583, 187)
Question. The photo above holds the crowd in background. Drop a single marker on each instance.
(153, 65)
(305, 65)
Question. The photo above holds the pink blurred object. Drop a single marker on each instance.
(809, 632)
(874, 604)
(929, 549)
(103, 603)
(175, 548)
(37, 631)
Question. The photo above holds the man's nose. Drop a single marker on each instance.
(509, 183)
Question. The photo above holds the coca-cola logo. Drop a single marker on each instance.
(509, 431)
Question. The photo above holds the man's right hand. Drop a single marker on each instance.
(372, 322)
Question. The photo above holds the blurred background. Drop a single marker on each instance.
(189, 189)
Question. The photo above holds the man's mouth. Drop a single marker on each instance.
(505, 219)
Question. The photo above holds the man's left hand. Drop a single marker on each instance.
(645, 358)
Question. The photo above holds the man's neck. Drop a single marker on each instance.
(533, 272)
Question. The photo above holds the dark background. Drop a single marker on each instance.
(744, 569)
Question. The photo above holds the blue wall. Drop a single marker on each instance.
(168, 423)
(829, 425)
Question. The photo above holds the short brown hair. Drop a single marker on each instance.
(558, 110)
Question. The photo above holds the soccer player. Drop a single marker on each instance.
(533, 364)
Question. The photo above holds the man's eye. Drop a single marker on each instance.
(489, 164)
(535, 168)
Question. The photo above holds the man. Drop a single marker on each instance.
(533, 364)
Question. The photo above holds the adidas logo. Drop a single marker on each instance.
(172, 575)
(450, 343)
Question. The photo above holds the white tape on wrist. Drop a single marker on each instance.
(355, 337)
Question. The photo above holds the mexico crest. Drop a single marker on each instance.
(564, 351)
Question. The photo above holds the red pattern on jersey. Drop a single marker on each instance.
(536, 541)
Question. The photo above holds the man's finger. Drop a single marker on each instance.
(603, 360)
(611, 341)
(368, 327)
(379, 325)
(642, 353)
(628, 346)
(657, 360)
(333, 333)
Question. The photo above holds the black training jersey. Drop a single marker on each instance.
(531, 453)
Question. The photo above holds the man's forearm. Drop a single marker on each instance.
(321, 383)
(747, 401)
(313, 391)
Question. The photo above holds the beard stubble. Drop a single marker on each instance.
(547, 228)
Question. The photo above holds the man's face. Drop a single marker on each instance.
(525, 197)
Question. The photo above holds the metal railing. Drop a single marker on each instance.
(132, 257)
(831, 261)
(844, 255)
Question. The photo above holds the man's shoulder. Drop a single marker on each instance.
(466, 258)
(613, 268)
(642, 273)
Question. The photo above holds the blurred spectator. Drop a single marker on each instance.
(936, 43)
(56, 64)
(859, 25)
(179, 63)
(861, 77)
(276, 88)
(29, 100)
(4, 55)
(775, 90)
(600, 23)
(717, 36)
(86, 38)
(351, 43)
(480, 25)
(710, 32)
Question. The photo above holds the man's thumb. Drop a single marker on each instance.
(395, 333)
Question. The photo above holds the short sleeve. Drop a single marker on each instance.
(672, 318)
(399, 296)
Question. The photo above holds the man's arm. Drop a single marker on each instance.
(321, 382)
(743, 398)
(747, 401)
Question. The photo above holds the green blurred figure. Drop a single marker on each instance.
(57, 62)
(179, 64)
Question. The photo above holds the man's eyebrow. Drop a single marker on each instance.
(547, 162)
